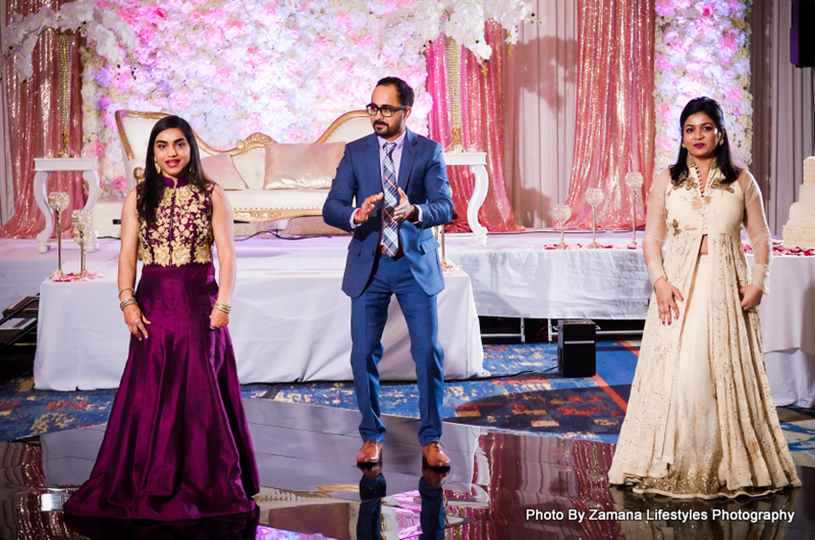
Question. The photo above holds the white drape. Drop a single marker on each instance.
(783, 111)
(540, 93)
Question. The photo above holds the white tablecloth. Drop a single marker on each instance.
(788, 330)
(290, 322)
(514, 276)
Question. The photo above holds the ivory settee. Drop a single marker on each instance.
(269, 181)
(263, 180)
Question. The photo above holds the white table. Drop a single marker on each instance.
(44, 168)
(478, 166)
(788, 330)
(287, 324)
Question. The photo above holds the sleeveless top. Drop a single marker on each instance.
(182, 233)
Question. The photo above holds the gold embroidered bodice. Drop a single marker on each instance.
(183, 230)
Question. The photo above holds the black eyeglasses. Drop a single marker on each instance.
(386, 110)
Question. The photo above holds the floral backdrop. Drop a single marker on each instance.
(287, 68)
(235, 67)
(702, 49)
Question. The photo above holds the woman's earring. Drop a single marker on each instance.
(158, 169)
(683, 145)
(721, 141)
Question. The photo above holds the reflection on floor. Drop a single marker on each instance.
(502, 485)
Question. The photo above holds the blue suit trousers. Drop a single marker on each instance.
(369, 312)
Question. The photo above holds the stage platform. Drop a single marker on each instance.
(501, 486)
(514, 275)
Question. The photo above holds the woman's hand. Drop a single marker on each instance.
(667, 295)
(217, 319)
(136, 321)
(750, 297)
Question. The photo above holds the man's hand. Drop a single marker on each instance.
(404, 209)
(367, 208)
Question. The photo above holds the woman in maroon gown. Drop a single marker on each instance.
(177, 444)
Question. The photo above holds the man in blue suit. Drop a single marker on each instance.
(401, 179)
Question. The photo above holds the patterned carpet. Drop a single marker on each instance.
(524, 393)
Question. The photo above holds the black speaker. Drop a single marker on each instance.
(576, 348)
(802, 33)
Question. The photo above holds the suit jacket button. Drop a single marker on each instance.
(373, 253)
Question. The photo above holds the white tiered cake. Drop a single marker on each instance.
(800, 228)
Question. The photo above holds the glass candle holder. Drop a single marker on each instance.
(84, 235)
(562, 213)
(634, 181)
(594, 196)
(58, 202)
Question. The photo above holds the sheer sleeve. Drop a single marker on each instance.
(655, 228)
(758, 232)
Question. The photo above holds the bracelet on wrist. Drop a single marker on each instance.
(128, 302)
(131, 289)
(222, 307)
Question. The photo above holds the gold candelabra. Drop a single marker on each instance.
(594, 196)
(634, 181)
(58, 202)
(562, 213)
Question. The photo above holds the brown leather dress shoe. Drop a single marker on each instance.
(434, 455)
(371, 452)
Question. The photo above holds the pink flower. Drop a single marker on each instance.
(123, 82)
(104, 102)
(322, 46)
(95, 148)
(226, 101)
(734, 94)
(664, 8)
(728, 45)
(222, 75)
(679, 46)
(703, 26)
(663, 64)
(343, 19)
(154, 14)
(180, 99)
(367, 41)
(119, 183)
(146, 34)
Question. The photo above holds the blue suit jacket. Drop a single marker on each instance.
(423, 177)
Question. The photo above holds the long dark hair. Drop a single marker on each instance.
(679, 171)
(152, 189)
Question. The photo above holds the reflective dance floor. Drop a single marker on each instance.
(501, 485)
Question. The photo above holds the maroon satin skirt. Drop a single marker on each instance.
(177, 444)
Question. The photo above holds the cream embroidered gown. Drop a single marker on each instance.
(700, 420)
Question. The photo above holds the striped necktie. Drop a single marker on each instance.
(390, 229)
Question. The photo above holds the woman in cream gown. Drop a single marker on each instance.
(700, 420)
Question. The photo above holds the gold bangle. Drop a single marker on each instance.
(222, 307)
(131, 289)
(127, 302)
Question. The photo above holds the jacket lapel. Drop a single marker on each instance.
(408, 157)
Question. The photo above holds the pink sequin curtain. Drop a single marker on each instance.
(35, 129)
(615, 110)
(482, 129)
